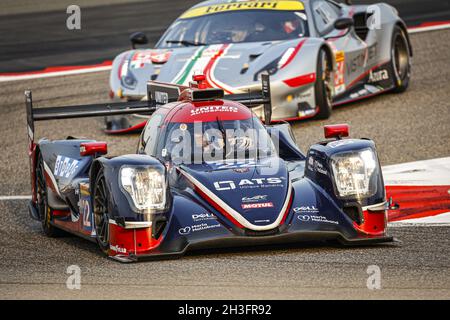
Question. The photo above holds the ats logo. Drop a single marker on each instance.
(244, 183)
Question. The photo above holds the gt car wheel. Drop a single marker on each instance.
(101, 216)
(400, 57)
(323, 89)
(45, 212)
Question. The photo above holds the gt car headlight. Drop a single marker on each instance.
(146, 186)
(355, 173)
(270, 69)
(127, 79)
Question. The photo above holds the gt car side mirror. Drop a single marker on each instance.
(343, 23)
(138, 38)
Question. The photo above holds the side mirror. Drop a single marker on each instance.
(343, 23)
(138, 38)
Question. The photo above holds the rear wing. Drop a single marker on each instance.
(158, 94)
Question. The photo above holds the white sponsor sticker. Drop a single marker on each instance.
(65, 167)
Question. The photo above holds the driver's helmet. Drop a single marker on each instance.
(291, 26)
(217, 130)
(234, 33)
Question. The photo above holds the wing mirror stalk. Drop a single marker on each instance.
(342, 23)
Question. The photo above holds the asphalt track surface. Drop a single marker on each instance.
(407, 127)
(34, 34)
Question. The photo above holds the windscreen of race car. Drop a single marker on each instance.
(236, 27)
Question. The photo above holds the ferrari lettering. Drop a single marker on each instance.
(244, 5)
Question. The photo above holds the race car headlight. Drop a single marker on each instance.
(269, 69)
(146, 186)
(129, 81)
(127, 78)
(355, 173)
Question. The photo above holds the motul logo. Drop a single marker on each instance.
(257, 205)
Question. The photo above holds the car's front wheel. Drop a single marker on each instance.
(101, 215)
(400, 60)
(323, 86)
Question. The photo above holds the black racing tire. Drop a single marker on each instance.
(101, 215)
(44, 210)
(323, 84)
(400, 60)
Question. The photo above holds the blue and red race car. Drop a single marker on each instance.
(207, 173)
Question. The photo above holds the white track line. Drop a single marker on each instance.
(13, 198)
(435, 172)
(439, 220)
(83, 70)
(54, 74)
(430, 28)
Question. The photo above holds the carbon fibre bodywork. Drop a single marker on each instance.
(361, 59)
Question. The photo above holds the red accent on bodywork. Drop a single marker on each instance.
(430, 24)
(60, 213)
(207, 111)
(160, 57)
(359, 98)
(92, 148)
(198, 77)
(374, 223)
(49, 182)
(32, 159)
(287, 210)
(119, 70)
(134, 241)
(294, 53)
(199, 82)
(210, 83)
(301, 80)
(132, 129)
(336, 131)
(218, 208)
(418, 201)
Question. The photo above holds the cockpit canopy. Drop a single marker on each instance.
(194, 133)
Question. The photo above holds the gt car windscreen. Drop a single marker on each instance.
(236, 27)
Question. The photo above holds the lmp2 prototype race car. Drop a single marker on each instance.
(319, 54)
(207, 173)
